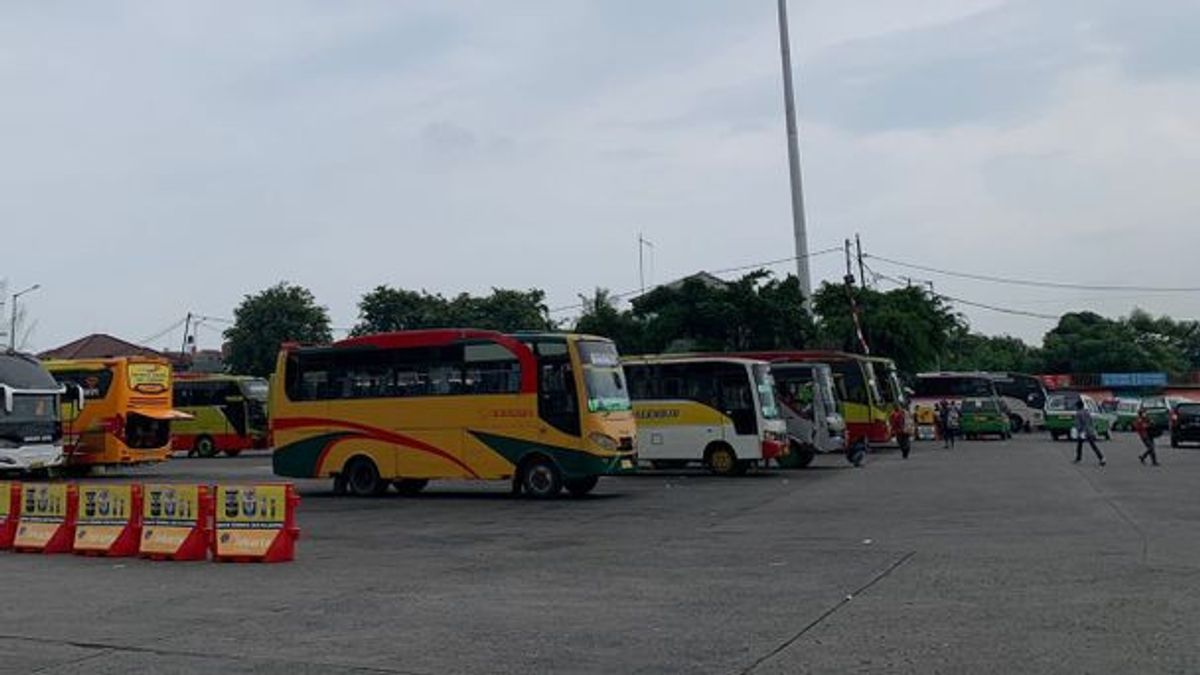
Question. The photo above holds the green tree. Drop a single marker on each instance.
(1085, 342)
(1004, 353)
(703, 313)
(910, 325)
(602, 317)
(262, 322)
(390, 309)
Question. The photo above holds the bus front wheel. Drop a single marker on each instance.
(540, 478)
(362, 478)
(205, 447)
(721, 460)
(579, 487)
(410, 487)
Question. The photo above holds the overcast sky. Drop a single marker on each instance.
(166, 157)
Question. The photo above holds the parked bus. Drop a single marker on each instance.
(127, 416)
(933, 388)
(863, 406)
(546, 411)
(895, 401)
(810, 408)
(229, 414)
(30, 416)
(1025, 398)
(720, 412)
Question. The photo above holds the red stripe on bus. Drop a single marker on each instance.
(368, 431)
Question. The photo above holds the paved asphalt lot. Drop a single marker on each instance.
(997, 557)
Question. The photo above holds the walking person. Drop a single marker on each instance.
(1142, 426)
(1085, 430)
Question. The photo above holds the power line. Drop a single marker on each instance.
(168, 329)
(728, 270)
(970, 303)
(1034, 283)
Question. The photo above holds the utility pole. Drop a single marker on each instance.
(12, 334)
(187, 327)
(643, 243)
(862, 273)
(849, 278)
(799, 226)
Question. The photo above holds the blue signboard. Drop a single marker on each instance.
(1133, 379)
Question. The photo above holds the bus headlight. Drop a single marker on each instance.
(603, 441)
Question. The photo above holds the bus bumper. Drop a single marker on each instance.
(623, 464)
(31, 457)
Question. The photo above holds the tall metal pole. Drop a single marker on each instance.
(799, 227)
(12, 335)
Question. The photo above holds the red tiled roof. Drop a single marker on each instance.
(98, 346)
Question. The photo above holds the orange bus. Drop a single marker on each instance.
(126, 416)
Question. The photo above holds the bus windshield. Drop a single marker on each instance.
(765, 384)
(603, 378)
(255, 389)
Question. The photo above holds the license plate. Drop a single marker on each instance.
(626, 464)
(36, 465)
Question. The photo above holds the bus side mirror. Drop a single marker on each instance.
(76, 391)
(8, 398)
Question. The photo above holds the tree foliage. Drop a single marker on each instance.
(1003, 353)
(910, 325)
(1085, 342)
(390, 309)
(262, 322)
(700, 313)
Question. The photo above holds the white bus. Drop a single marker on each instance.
(31, 436)
(720, 412)
(1025, 398)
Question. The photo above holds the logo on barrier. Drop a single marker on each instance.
(249, 518)
(47, 518)
(170, 514)
(107, 521)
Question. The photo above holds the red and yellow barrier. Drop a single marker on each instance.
(10, 508)
(175, 521)
(47, 520)
(109, 521)
(255, 523)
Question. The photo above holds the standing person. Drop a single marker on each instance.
(1085, 430)
(943, 411)
(953, 424)
(1142, 426)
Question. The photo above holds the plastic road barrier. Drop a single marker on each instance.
(175, 521)
(109, 521)
(10, 507)
(255, 523)
(47, 521)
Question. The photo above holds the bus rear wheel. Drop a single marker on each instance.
(721, 460)
(410, 487)
(205, 447)
(579, 487)
(363, 479)
(540, 478)
(801, 455)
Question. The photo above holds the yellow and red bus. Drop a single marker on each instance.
(126, 417)
(545, 410)
(229, 414)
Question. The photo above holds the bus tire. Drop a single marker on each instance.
(721, 459)
(205, 446)
(232, 452)
(540, 477)
(579, 487)
(1015, 423)
(801, 456)
(410, 487)
(363, 479)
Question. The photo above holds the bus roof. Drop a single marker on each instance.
(433, 337)
(101, 363)
(950, 374)
(22, 371)
(688, 358)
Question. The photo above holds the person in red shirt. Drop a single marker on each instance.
(1142, 426)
